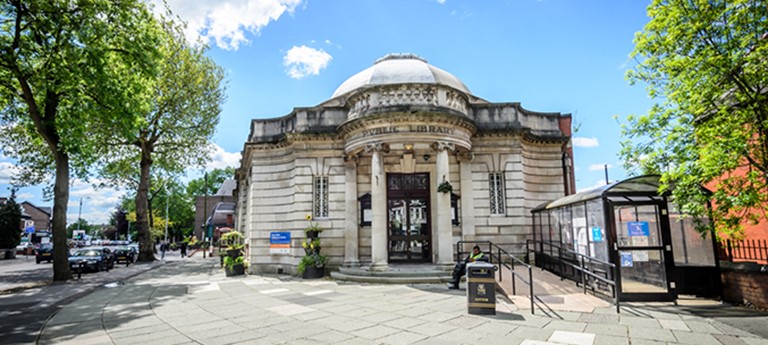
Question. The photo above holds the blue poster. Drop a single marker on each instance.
(597, 235)
(638, 229)
(626, 260)
(279, 238)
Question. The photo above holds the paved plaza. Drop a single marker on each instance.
(191, 302)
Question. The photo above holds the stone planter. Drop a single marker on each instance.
(313, 272)
(235, 270)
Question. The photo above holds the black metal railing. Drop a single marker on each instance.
(502, 259)
(745, 250)
(582, 266)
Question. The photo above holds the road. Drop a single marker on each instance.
(28, 297)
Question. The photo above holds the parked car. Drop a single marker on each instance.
(126, 254)
(44, 253)
(25, 248)
(93, 259)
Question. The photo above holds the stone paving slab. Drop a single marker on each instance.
(170, 306)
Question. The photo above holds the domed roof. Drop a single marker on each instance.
(400, 69)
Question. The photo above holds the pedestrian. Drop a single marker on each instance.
(461, 267)
(163, 248)
(183, 249)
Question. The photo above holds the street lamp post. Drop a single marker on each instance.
(79, 214)
(166, 214)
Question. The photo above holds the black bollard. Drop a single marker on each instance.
(79, 269)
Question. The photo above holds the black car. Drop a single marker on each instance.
(44, 253)
(92, 259)
(125, 254)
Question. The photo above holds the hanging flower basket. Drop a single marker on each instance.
(445, 187)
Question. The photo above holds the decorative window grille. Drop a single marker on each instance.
(496, 189)
(321, 197)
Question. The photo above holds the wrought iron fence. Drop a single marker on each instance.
(746, 250)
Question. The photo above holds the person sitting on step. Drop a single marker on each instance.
(461, 267)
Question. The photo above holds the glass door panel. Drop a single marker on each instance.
(641, 250)
(642, 271)
(409, 232)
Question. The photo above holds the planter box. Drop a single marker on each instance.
(236, 270)
(313, 272)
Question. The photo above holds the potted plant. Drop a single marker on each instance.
(235, 266)
(234, 263)
(445, 187)
(312, 264)
(313, 229)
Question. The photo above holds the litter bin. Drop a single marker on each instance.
(481, 288)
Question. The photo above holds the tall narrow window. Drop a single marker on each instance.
(496, 189)
(321, 197)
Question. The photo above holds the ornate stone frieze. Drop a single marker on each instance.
(406, 94)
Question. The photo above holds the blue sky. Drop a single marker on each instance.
(549, 55)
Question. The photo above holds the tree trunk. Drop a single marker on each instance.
(146, 242)
(61, 271)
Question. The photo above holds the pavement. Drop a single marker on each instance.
(190, 301)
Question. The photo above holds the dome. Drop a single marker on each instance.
(400, 69)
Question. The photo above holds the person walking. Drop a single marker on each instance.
(183, 249)
(163, 248)
(461, 267)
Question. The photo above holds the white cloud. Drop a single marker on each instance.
(226, 21)
(304, 61)
(584, 142)
(24, 196)
(441, 2)
(7, 171)
(599, 167)
(223, 159)
(98, 204)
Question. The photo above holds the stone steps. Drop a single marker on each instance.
(397, 274)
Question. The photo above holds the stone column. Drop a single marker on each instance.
(444, 227)
(467, 199)
(351, 242)
(378, 207)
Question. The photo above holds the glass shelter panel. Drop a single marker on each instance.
(690, 247)
(598, 243)
(566, 231)
(579, 223)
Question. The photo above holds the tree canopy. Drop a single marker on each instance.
(175, 125)
(706, 65)
(67, 69)
(10, 222)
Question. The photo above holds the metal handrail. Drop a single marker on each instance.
(501, 263)
(581, 267)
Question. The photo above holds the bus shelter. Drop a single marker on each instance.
(633, 237)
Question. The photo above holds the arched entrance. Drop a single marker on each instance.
(408, 234)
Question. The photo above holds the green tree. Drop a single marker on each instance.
(706, 64)
(174, 131)
(215, 179)
(68, 68)
(10, 222)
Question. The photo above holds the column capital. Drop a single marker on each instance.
(379, 147)
(351, 158)
(443, 146)
(465, 156)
